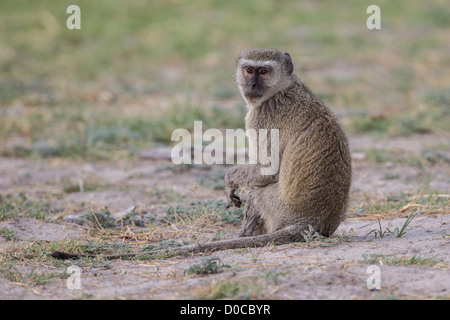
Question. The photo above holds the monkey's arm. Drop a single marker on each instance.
(248, 175)
(245, 175)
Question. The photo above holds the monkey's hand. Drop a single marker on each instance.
(232, 198)
(230, 187)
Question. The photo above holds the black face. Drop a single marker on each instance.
(255, 77)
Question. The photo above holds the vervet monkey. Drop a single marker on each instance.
(311, 187)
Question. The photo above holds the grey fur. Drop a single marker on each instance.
(313, 183)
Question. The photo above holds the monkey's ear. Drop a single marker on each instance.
(289, 64)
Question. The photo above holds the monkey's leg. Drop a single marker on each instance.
(252, 224)
(265, 212)
(246, 175)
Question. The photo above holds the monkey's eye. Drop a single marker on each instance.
(248, 70)
(263, 71)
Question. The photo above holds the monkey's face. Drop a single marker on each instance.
(256, 79)
(262, 73)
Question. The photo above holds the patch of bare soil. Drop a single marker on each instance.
(413, 266)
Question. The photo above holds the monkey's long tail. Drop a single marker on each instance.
(283, 236)
(66, 255)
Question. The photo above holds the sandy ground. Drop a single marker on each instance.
(336, 269)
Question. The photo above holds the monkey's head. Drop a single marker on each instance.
(262, 73)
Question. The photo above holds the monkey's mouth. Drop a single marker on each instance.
(254, 94)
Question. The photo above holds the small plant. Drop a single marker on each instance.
(41, 278)
(217, 236)
(208, 266)
(12, 205)
(403, 261)
(165, 244)
(311, 234)
(8, 270)
(242, 290)
(181, 214)
(398, 233)
(216, 210)
(232, 215)
(94, 247)
(100, 218)
(380, 233)
(274, 276)
(132, 218)
(165, 249)
(314, 239)
(9, 235)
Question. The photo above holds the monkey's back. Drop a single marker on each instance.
(315, 162)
